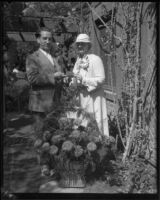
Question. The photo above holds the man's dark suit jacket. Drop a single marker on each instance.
(38, 67)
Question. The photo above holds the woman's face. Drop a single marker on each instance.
(82, 48)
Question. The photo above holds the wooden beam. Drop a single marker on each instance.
(22, 36)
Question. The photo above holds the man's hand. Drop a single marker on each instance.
(58, 74)
(66, 80)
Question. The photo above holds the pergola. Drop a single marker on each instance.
(23, 29)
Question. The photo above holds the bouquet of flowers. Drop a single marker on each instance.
(71, 136)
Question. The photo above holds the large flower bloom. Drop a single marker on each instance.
(91, 146)
(38, 143)
(46, 146)
(47, 135)
(56, 139)
(78, 151)
(75, 134)
(67, 146)
(53, 150)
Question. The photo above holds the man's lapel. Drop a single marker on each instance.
(46, 63)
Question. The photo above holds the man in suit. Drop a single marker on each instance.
(42, 72)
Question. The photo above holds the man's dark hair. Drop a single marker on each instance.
(38, 33)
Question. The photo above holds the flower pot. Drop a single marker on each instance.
(73, 177)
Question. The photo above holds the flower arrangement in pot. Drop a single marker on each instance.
(70, 144)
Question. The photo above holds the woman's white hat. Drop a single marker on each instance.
(83, 38)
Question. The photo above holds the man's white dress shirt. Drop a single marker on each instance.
(48, 55)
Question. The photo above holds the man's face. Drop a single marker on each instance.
(45, 40)
(82, 48)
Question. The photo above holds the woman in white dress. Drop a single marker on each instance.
(89, 72)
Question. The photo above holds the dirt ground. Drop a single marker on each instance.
(21, 172)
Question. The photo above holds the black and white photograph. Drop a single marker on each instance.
(79, 112)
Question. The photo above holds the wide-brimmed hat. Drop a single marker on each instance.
(83, 38)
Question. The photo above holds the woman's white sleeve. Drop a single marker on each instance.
(99, 74)
(75, 69)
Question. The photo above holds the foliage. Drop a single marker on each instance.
(23, 49)
(113, 128)
(142, 176)
(65, 14)
(138, 176)
(16, 91)
(6, 195)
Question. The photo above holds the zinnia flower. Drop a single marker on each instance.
(75, 134)
(53, 150)
(67, 146)
(78, 151)
(38, 143)
(47, 135)
(46, 146)
(91, 146)
(45, 170)
(56, 139)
